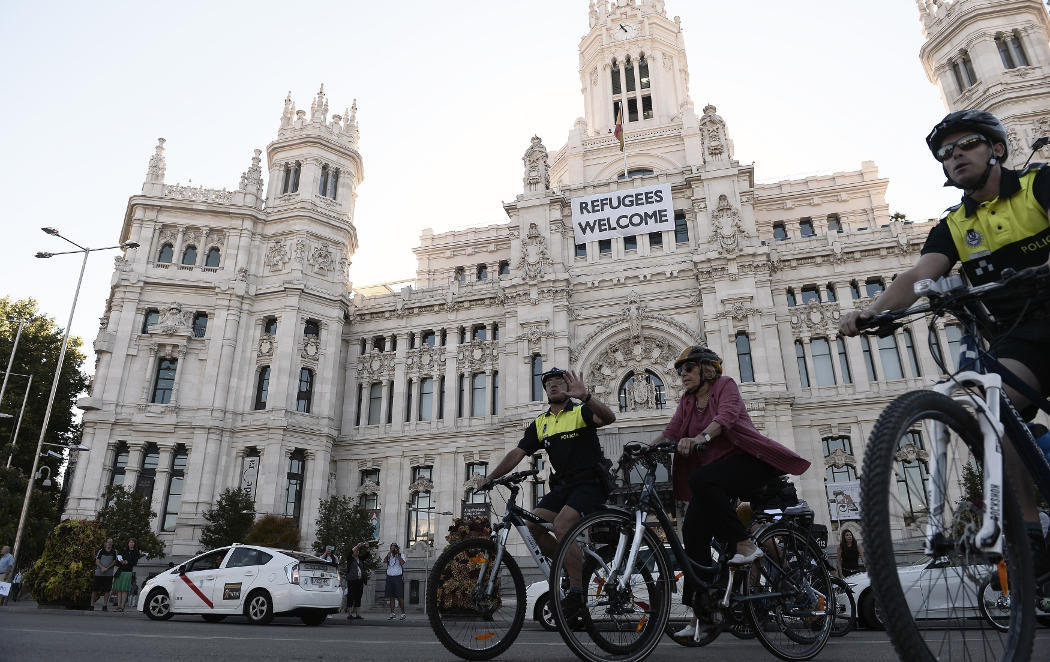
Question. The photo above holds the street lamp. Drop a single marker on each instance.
(21, 412)
(426, 566)
(58, 368)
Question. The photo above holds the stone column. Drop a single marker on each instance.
(107, 465)
(179, 370)
(151, 372)
(158, 503)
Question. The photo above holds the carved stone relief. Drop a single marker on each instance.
(633, 354)
(815, 318)
(321, 258)
(375, 365)
(277, 255)
(533, 333)
(534, 255)
(478, 355)
(729, 229)
(425, 361)
(173, 321)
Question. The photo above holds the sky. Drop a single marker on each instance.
(448, 94)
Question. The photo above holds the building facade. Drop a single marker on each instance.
(234, 351)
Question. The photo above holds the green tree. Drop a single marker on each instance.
(41, 518)
(127, 515)
(229, 520)
(898, 216)
(63, 574)
(274, 531)
(343, 522)
(37, 354)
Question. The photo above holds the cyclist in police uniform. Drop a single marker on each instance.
(1001, 222)
(568, 432)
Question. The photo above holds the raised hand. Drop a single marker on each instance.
(574, 385)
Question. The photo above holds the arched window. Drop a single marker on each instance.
(615, 72)
(200, 324)
(628, 70)
(212, 259)
(189, 256)
(642, 391)
(304, 398)
(262, 387)
(165, 381)
(166, 254)
(323, 188)
(152, 317)
(743, 357)
(174, 496)
(643, 72)
(311, 329)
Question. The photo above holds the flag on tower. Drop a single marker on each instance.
(619, 126)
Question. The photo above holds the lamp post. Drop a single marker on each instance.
(58, 369)
(11, 359)
(18, 425)
(426, 566)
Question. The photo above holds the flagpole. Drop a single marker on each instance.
(625, 155)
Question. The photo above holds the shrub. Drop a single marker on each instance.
(65, 569)
(274, 531)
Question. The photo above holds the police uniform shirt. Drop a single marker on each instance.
(1010, 230)
(569, 437)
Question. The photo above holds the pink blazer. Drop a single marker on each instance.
(739, 435)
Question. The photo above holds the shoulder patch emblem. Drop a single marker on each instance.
(973, 238)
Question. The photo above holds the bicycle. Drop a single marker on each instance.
(627, 574)
(912, 515)
(475, 591)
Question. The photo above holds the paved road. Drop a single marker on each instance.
(53, 635)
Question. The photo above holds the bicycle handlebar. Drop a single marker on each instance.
(509, 479)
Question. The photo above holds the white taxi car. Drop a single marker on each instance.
(257, 582)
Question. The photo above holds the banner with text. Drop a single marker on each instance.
(622, 213)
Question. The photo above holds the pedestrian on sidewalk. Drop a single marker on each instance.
(395, 580)
(105, 566)
(133, 595)
(129, 558)
(7, 566)
(355, 583)
(16, 586)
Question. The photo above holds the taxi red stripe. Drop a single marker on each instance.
(197, 591)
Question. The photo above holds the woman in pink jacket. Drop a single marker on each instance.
(721, 456)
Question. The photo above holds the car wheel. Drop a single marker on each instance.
(158, 605)
(314, 618)
(543, 613)
(869, 611)
(258, 608)
(214, 618)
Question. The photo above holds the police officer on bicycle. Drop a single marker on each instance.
(579, 486)
(1002, 222)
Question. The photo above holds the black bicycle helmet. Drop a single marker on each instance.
(553, 372)
(700, 354)
(978, 121)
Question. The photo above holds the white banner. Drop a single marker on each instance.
(250, 474)
(844, 499)
(622, 213)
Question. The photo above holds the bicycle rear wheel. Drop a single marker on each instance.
(468, 620)
(619, 623)
(790, 596)
(845, 608)
(931, 602)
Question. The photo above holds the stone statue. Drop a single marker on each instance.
(537, 170)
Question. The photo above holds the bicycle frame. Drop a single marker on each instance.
(515, 517)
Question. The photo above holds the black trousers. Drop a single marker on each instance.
(711, 513)
(355, 587)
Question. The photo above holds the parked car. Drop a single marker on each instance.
(935, 589)
(257, 582)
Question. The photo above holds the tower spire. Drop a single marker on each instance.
(155, 171)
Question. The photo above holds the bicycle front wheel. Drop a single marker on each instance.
(625, 609)
(475, 607)
(789, 595)
(931, 602)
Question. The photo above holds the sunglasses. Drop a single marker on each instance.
(966, 143)
(686, 367)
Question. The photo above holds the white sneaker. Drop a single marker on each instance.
(687, 632)
(404, 615)
(391, 617)
(741, 559)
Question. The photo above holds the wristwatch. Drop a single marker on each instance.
(707, 437)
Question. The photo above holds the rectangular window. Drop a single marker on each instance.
(262, 387)
(647, 107)
(822, 363)
(165, 381)
(408, 401)
(954, 335)
(630, 243)
(477, 394)
(426, 398)
(869, 358)
(832, 444)
(421, 509)
(200, 324)
(779, 232)
(834, 224)
(604, 246)
(461, 402)
(632, 109)
(428, 338)
(477, 469)
(375, 403)
(806, 228)
(656, 239)
(803, 372)
(616, 88)
(971, 75)
(495, 392)
(360, 404)
(810, 293)
(1018, 49)
(743, 357)
(537, 378)
(831, 293)
(390, 402)
(369, 501)
(790, 293)
(628, 71)
(581, 250)
(174, 498)
(958, 75)
(305, 396)
(873, 287)
(909, 348)
(479, 332)
(1004, 53)
(890, 358)
(854, 290)
(539, 486)
(441, 398)
(681, 229)
(148, 474)
(847, 375)
(293, 500)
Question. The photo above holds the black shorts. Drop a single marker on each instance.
(1028, 344)
(103, 583)
(584, 498)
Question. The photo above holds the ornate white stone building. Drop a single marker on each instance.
(234, 351)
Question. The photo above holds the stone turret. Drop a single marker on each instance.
(154, 184)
